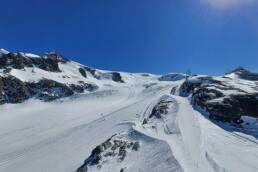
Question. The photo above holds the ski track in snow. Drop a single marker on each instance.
(192, 139)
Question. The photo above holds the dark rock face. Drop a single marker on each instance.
(49, 64)
(91, 70)
(56, 57)
(189, 87)
(114, 76)
(50, 61)
(160, 108)
(207, 94)
(13, 90)
(2, 99)
(204, 94)
(84, 86)
(114, 147)
(82, 169)
(77, 88)
(117, 77)
(83, 72)
(122, 170)
(233, 107)
(50, 90)
(18, 61)
(136, 146)
(15, 60)
(173, 90)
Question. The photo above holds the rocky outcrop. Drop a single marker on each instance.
(2, 99)
(116, 76)
(160, 109)
(114, 148)
(56, 57)
(91, 71)
(189, 86)
(245, 74)
(49, 90)
(15, 60)
(13, 90)
(83, 72)
(49, 62)
(82, 86)
(232, 108)
(208, 93)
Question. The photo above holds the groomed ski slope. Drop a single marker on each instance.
(58, 136)
(200, 145)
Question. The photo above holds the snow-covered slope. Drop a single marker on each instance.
(61, 116)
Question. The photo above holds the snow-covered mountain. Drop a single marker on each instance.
(61, 116)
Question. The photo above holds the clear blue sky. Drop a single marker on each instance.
(157, 36)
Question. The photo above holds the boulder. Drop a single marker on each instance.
(136, 146)
(116, 76)
(83, 72)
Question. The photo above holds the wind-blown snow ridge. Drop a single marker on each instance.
(118, 121)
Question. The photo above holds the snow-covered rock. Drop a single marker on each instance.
(223, 97)
(64, 77)
(243, 73)
(115, 148)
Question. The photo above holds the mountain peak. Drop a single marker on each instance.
(238, 70)
(3, 51)
(244, 74)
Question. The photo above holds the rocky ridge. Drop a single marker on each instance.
(224, 98)
(14, 89)
(115, 148)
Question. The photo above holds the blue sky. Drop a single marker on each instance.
(157, 36)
